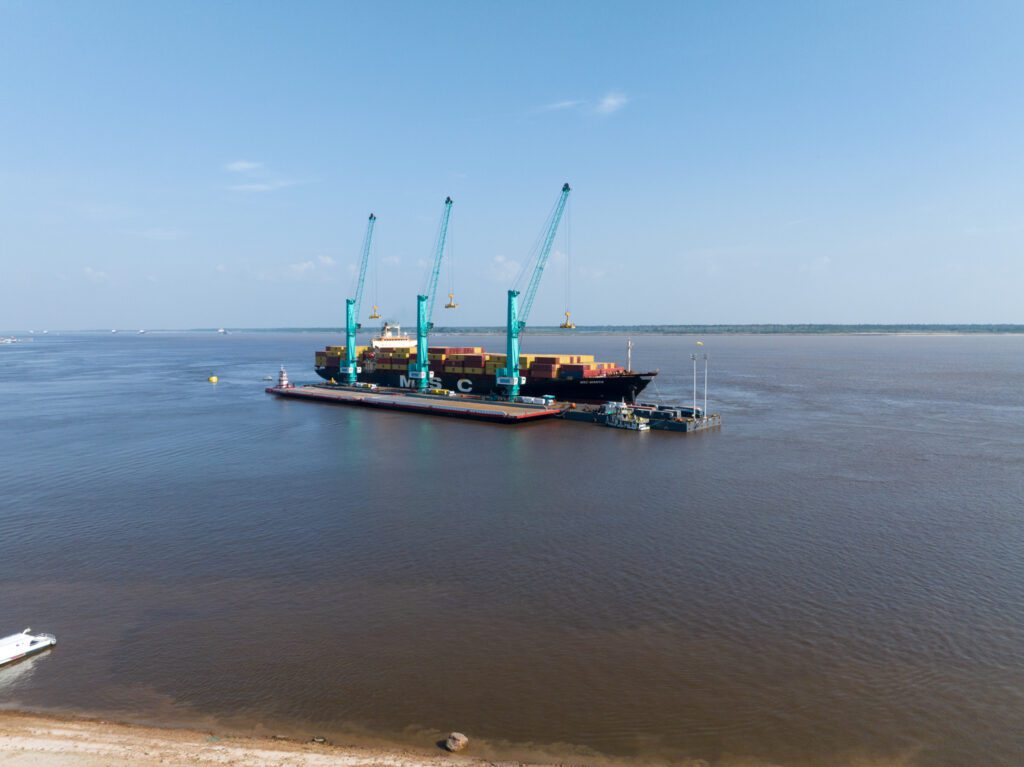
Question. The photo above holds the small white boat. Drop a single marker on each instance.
(17, 646)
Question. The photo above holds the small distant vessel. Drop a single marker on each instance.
(621, 416)
(17, 646)
(222, 331)
(142, 332)
(282, 380)
(113, 331)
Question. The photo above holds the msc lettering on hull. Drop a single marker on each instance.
(464, 385)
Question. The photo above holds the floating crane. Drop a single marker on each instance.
(349, 369)
(419, 369)
(508, 376)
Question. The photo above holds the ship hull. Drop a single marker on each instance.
(619, 387)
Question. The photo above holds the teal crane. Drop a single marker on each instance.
(509, 377)
(350, 369)
(419, 369)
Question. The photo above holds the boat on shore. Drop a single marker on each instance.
(17, 646)
(471, 370)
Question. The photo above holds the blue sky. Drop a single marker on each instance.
(194, 164)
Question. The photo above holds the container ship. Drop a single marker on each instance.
(471, 370)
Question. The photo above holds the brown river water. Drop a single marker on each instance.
(835, 577)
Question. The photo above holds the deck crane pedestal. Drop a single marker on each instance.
(350, 369)
(419, 369)
(509, 377)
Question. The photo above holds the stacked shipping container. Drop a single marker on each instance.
(473, 360)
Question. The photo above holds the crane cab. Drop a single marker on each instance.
(568, 324)
(451, 302)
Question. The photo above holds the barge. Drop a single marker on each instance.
(656, 417)
(472, 408)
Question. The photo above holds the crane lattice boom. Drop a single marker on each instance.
(350, 369)
(364, 261)
(542, 257)
(442, 236)
(508, 376)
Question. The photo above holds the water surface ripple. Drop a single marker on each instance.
(833, 578)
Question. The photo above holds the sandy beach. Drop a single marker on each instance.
(31, 740)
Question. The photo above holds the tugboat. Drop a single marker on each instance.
(17, 646)
(619, 415)
(282, 380)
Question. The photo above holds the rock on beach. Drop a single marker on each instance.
(456, 742)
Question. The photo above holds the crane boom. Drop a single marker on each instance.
(442, 236)
(367, 240)
(419, 369)
(350, 368)
(509, 376)
(542, 257)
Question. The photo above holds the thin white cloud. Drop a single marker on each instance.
(242, 166)
(302, 267)
(613, 101)
(504, 269)
(816, 266)
(326, 261)
(157, 233)
(263, 186)
(94, 275)
(257, 178)
(391, 260)
(222, 268)
(558, 106)
(107, 212)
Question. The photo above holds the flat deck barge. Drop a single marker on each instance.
(474, 408)
(683, 420)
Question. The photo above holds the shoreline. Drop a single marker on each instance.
(34, 739)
